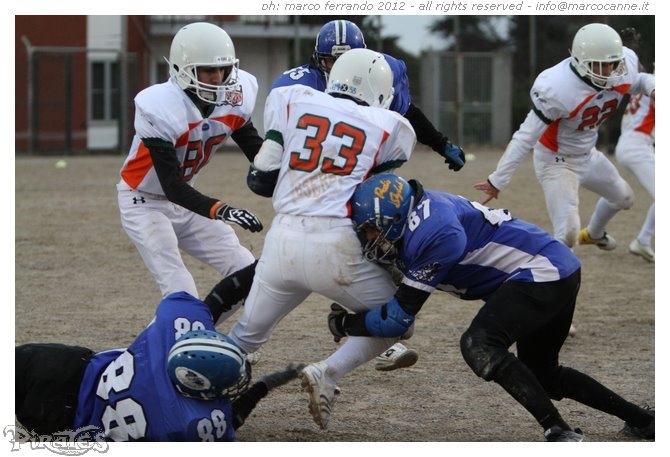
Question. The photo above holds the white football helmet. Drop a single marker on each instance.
(363, 75)
(202, 44)
(594, 46)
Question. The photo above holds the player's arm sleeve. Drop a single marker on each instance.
(520, 145)
(401, 96)
(426, 133)
(248, 139)
(645, 84)
(168, 170)
(264, 171)
(398, 148)
(245, 404)
(392, 319)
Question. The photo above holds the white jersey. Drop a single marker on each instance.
(640, 116)
(164, 111)
(330, 145)
(567, 113)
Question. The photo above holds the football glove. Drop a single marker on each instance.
(239, 216)
(454, 156)
(336, 321)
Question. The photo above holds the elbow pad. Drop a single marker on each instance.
(389, 320)
(262, 182)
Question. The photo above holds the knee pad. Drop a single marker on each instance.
(482, 357)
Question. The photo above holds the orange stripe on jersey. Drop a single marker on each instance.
(649, 121)
(581, 105)
(622, 89)
(385, 136)
(549, 138)
(183, 139)
(231, 120)
(138, 167)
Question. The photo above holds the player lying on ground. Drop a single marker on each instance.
(180, 380)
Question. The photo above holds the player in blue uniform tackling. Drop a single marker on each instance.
(528, 280)
(180, 380)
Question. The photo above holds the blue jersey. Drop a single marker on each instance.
(467, 249)
(129, 396)
(309, 75)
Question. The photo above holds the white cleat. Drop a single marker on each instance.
(646, 252)
(254, 357)
(322, 392)
(397, 356)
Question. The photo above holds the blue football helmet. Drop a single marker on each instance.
(207, 365)
(334, 39)
(383, 201)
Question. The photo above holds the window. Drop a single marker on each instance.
(105, 96)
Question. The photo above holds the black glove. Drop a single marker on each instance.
(336, 321)
(454, 156)
(279, 378)
(239, 216)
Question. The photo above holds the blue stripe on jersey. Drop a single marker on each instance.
(469, 250)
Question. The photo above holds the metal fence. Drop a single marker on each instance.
(59, 104)
(468, 95)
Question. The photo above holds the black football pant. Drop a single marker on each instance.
(537, 317)
(47, 379)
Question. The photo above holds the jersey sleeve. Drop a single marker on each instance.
(401, 95)
(155, 116)
(432, 251)
(180, 312)
(402, 141)
(548, 96)
(520, 145)
(306, 75)
(547, 107)
(275, 115)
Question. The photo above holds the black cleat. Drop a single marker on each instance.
(646, 432)
(557, 434)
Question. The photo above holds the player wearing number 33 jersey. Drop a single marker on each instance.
(318, 147)
(330, 145)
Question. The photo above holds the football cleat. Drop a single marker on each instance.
(646, 252)
(557, 434)
(397, 356)
(647, 432)
(606, 243)
(322, 392)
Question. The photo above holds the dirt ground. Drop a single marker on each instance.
(79, 280)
